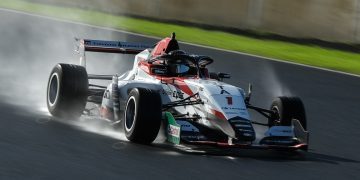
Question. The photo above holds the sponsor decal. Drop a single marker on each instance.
(173, 129)
(101, 43)
(114, 44)
(178, 95)
(233, 108)
(175, 94)
(187, 126)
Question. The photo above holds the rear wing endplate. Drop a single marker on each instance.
(103, 46)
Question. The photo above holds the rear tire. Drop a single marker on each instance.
(67, 91)
(142, 116)
(286, 109)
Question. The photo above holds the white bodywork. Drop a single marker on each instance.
(215, 95)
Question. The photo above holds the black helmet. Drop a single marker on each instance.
(177, 52)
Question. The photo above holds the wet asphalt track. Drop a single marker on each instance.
(33, 147)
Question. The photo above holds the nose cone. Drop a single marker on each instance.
(224, 98)
(230, 105)
(227, 110)
(231, 117)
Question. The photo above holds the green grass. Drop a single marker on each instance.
(304, 54)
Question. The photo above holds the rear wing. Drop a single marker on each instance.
(84, 45)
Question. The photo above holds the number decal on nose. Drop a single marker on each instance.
(229, 100)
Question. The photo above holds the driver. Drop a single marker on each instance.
(175, 69)
(172, 69)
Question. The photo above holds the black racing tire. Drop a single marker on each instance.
(67, 91)
(142, 116)
(285, 110)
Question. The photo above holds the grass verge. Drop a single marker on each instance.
(304, 54)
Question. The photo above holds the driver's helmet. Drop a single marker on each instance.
(176, 68)
(177, 52)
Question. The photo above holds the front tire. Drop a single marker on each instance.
(142, 116)
(285, 110)
(67, 91)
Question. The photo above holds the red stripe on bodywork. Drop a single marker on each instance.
(218, 114)
(184, 87)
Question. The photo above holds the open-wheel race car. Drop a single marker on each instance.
(170, 87)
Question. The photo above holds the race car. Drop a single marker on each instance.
(168, 87)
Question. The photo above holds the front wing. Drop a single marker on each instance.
(296, 140)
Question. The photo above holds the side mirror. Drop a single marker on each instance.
(224, 76)
(219, 76)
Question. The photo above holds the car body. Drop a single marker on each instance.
(196, 106)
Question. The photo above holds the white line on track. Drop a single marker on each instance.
(157, 38)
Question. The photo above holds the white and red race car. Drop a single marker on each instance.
(171, 87)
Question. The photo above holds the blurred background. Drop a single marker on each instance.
(37, 34)
(329, 20)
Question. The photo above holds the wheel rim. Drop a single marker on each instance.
(276, 116)
(130, 113)
(53, 89)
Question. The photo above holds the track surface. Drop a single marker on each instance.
(32, 146)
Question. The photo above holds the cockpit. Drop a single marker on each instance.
(180, 64)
